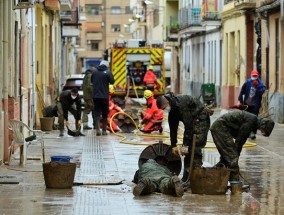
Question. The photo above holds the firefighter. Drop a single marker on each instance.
(152, 118)
(196, 119)
(150, 79)
(113, 108)
(230, 133)
(154, 176)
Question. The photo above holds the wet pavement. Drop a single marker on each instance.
(111, 159)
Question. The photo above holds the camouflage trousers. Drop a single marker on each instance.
(89, 107)
(159, 177)
(61, 116)
(200, 128)
(227, 148)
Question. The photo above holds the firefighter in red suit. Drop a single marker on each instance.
(152, 118)
(150, 79)
(113, 108)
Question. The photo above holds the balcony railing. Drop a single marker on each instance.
(189, 17)
(211, 15)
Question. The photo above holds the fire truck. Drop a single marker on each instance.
(129, 63)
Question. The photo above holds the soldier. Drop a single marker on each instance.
(88, 97)
(64, 105)
(236, 125)
(196, 119)
(155, 177)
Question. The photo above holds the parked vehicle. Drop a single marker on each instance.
(75, 80)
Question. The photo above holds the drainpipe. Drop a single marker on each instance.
(5, 75)
(33, 97)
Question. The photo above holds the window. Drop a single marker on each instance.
(92, 9)
(115, 10)
(93, 45)
(115, 28)
(156, 17)
(128, 10)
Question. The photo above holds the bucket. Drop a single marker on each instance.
(46, 123)
(209, 180)
(59, 175)
(236, 187)
(63, 159)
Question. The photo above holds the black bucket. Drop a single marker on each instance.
(59, 175)
(210, 181)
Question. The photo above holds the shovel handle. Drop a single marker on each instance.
(191, 157)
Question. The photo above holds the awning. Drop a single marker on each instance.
(93, 27)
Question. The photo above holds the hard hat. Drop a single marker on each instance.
(254, 73)
(150, 67)
(266, 126)
(148, 94)
(111, 89)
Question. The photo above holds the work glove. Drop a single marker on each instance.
(67, 123)
(175, 150)
(255, 82)
(79, 123)
(178, 150)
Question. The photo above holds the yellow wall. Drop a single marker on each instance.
(234, 41)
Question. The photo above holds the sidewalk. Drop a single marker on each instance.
(106, 160)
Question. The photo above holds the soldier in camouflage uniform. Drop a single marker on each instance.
(196, 119)
(155, 177)
(236, 125)
(88, 97)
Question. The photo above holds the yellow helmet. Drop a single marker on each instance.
(111, 89)
(148, 94)
(150, 67)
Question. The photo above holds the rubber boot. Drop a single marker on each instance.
(85, 126)
(104, 126)
(97, 126)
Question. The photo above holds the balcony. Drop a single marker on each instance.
(244, 4)
(65, 15)
(94, 36)
(211, 16)
(190, 20)
(65, 5)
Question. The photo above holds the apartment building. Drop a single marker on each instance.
(102, 23)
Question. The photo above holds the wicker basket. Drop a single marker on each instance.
(58, 174)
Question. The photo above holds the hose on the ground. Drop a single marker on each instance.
(136, 132)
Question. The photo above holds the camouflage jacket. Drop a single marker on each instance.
(87, 85)
(239, 125)
(184, 108)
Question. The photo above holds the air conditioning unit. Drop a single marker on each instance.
(22, 4)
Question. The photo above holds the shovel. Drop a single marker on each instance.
(191, 158)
